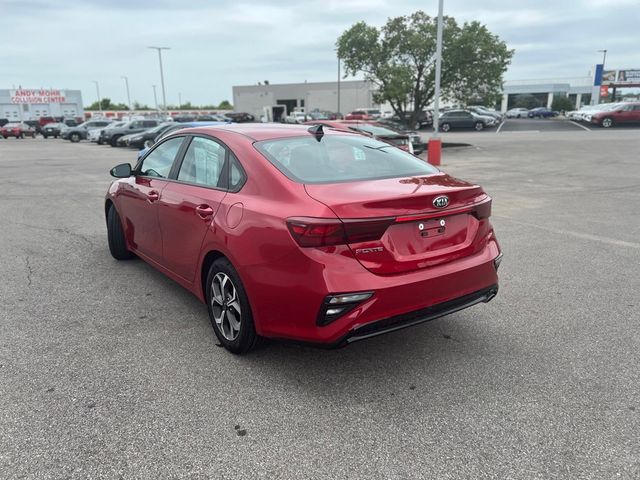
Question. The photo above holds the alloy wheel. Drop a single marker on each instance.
(607, 122)
(225, 305)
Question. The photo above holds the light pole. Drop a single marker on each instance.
(155, 97)
(604, 57)
(338, 85)
(98, 93)
(435, 145)
(164, 96)
(179, 100)
(126, 82)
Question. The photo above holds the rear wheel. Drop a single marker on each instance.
(100, 141)
(74, 137)
(479, 126)
(229, 308)
(115, 236)
(114, 141)
(607, 122)
(445, 127)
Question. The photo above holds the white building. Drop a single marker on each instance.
(254, 99)
(30, 104)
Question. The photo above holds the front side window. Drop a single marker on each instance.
(203, 163)
(340, 158)
(158, 162)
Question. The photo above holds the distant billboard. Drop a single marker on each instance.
(629, 76)
(609, 76)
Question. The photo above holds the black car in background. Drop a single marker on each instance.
(418, 144)
(75, 134)
(111, 135)
(146, 137)
(240, 117)
(53, 129)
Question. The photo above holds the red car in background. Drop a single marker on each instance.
(304, 233)
(18, 130)
(624, 114)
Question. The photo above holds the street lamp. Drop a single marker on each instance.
(604, 57)
(338, 111)
(155, 97)
(435, 145)
(126, 82)
(98, 93)
(164, 96)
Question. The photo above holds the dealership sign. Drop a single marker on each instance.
(34, 96)
(621, 76)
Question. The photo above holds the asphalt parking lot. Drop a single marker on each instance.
(110, 370)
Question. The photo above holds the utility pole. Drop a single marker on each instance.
(164, 96)
(155, 97)
(435, 145)
(338, 85)
(126, 82)
(604, 57)
(98, 93)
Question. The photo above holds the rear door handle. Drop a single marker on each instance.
(204, 211)
(152, 196)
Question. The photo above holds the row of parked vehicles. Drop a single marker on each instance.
(608, 114)
(540, 112)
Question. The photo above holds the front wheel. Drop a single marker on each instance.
(479, 126)
(229, 308)
(607, 122)
(74, 137)
(114, 141)
(445, 127)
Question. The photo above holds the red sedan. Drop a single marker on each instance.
(18, 130)
(301, 233)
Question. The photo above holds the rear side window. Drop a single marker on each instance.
(340, 158)
(159, 161)
(203, 163)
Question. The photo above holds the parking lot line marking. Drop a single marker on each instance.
(522, 131)
(584, 236)
(499, 127)
(581, 126)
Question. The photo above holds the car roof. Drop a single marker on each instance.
(262, 131)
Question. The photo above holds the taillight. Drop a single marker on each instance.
(483, 209)
(323, 232)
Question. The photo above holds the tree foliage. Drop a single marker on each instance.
(399, 58)
(561, 103)
(106, 104)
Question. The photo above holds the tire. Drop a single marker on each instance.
(445, 127)
(115, 236)
(479, 126)
(227, 302)
(45, 136)
(74, 137)
(114, 141)
(100, 141)
(607, 122)
(21, 136)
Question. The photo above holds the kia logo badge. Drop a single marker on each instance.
(441, 201)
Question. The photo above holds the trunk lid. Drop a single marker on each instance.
(419, 234)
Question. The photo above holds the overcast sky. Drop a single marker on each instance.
(219, 43)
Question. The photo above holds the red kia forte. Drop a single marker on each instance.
(304, 233)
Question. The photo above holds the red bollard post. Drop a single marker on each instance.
(433, 151)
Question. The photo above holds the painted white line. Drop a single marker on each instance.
(522, 131)
(499, 127)
(584, 236)
(581, 126)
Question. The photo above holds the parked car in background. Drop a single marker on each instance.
(358, 115)
(53, 129)
(367, 238)
(542, 112)
(297, 117)
(371, 129)
(452, 119)
(42, 121)
(17, 130)
(424, 120)
(3, 121)
(621, 114)
(35, 124)
(480, 110)
(111, 135)
(174, 128)
(587, 114)
(517, 113)
(146, 137)
(240, 117)
(417, 143)
(94, 135)
(75, 134)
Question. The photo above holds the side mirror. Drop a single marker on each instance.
(121, 171)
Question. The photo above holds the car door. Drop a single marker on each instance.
(190, 202)
(635, 117)
(140, 196)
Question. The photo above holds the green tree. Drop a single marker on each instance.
(527, 101)
(399, 58)
(140, 106)
(562, 103)
(225, 105)
(106, 104)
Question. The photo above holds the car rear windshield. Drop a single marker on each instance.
(340, 158)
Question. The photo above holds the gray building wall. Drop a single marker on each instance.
(310, 96)
(70, 107)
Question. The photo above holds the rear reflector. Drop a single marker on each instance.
(323, 232)
(335, 306)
